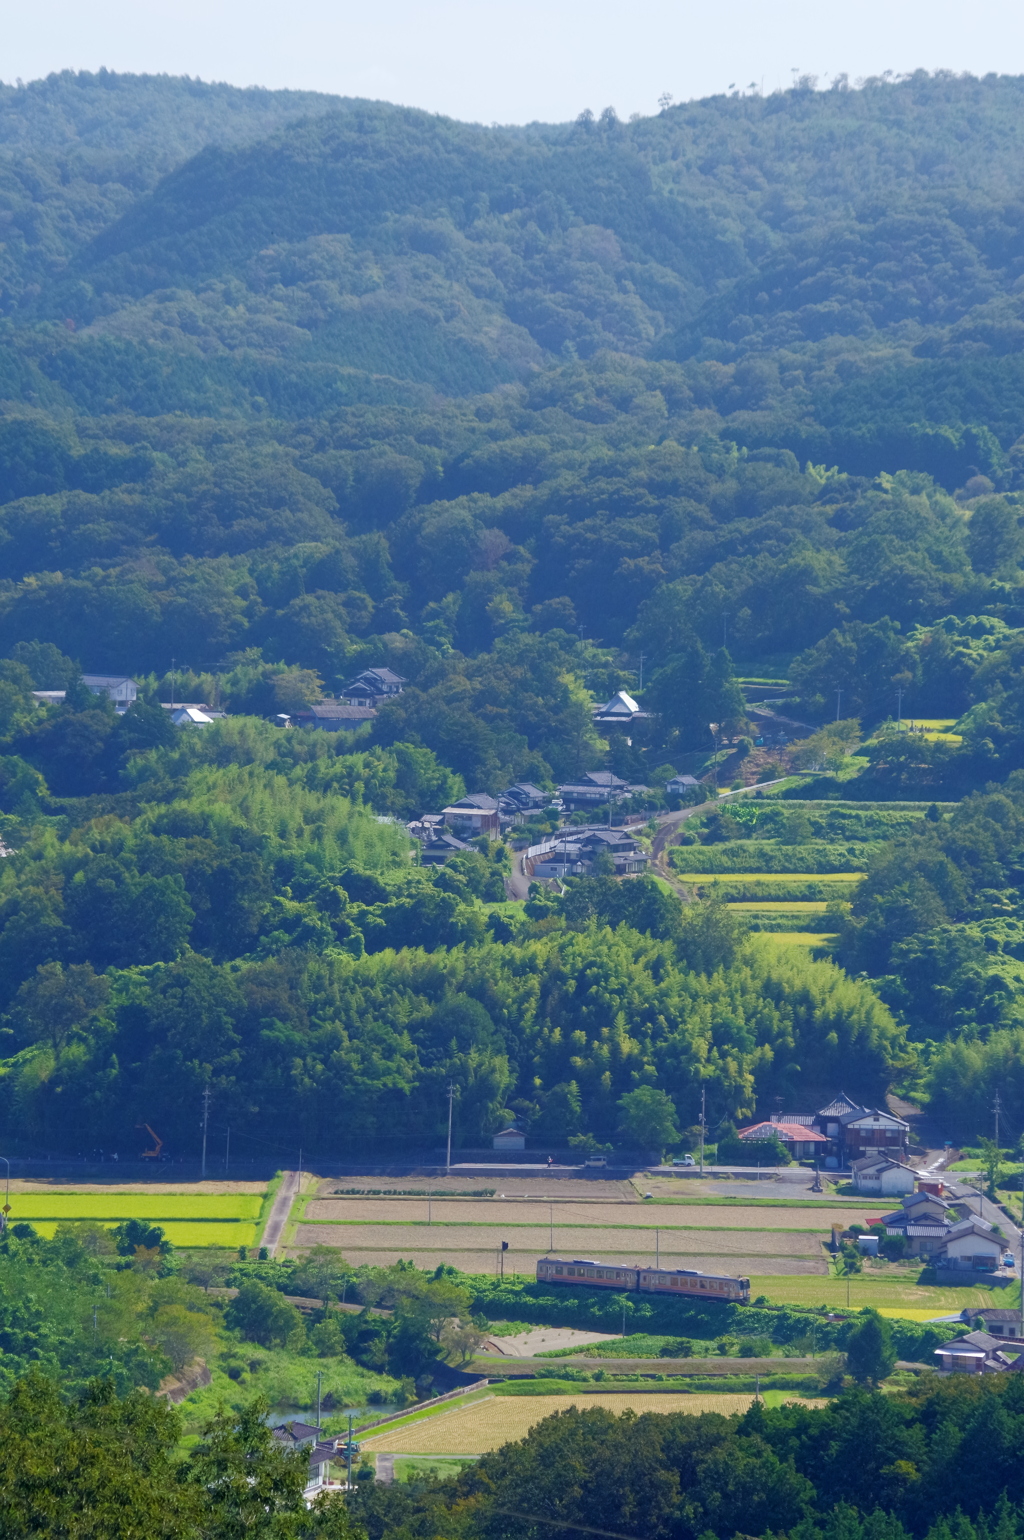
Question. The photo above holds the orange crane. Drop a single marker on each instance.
(158, 1143)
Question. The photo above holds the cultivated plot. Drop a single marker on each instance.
(627, 1241)
(569, 1215)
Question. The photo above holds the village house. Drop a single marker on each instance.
(523, 797)
(372, 686)
(1005, 1324)
(439, 845)
(473, 815)
(799, 1139)
(854, 1132)
(880, 1175)
(681, 786)
(334, 716)
(116, 687)
(973, 1245)
(576, 852)
(975, 1353)
(923, 1221)
(621, 711)
(596, 787)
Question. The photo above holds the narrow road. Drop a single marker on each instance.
(280, 1211)
(385, 1467)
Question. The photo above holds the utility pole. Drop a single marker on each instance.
(839, 697)
(997, 1108)
(899, 709)
(7, 1200)
(703, 1093)
(348, 1479)
(451, 1098)
(657, 1247)
(319, 1398)
(642, 656)
(428, 1209)
(172, 681)
(206, 1119)
(725, 630)
(227, 1152)
(551, 1224)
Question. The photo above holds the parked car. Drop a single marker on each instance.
(595, 1160)
(683, 1160)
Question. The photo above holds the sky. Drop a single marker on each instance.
(494, 61)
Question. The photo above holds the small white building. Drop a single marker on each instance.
(190, 716)
(881, 1176)
(510, 1139)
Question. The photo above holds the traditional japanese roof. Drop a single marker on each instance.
(475, 802)
(842, 1103)
(621, 708)
(375, 678)
(788, 1133)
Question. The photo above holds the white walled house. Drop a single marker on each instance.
(116, 687)
(972, 1244)
(880, 1176)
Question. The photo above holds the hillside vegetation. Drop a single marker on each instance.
(293, 385)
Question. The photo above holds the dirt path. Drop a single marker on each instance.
(386, 1468)
(280, 1211)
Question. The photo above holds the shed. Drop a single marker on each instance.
(510, 1139)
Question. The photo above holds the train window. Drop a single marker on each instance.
(558, 1270)
(674, 1282)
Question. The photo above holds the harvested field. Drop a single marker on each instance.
(569, 1215)
(710, 1241)
(486, 1425)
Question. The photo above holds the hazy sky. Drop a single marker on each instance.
(497, 61)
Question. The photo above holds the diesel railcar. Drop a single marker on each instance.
(678, 1283)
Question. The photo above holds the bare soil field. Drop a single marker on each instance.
(486, 1425)
(631, 1240)
(517, 1211)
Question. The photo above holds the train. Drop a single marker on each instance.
(677, 1282)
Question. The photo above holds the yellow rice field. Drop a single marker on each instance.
(213, 1234)
(486, 1425)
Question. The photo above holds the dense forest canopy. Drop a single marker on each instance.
(293, 385)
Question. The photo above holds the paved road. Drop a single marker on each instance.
(279, 1213)
(385, 1467)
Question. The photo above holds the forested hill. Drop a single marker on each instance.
(855, 253)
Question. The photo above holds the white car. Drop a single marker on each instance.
(683, 1160)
